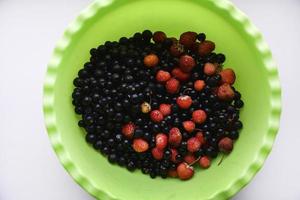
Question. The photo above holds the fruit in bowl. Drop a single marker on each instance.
(135, 110)
(246, 53)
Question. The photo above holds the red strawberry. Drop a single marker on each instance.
(188, 38)
(204, 162)
(189, 126)
(184, 101)
(225, 145)
(225, 92)
(185, 171)
(193, 144)
(156, 116)
(200, 137)
(174, 153)
(209, 69)
(199, 85)
(172, 86)
(180, 75)
(159, 37)
(128, 130)
(187, 63)
(151, 60)
(172, 173)
(175, 136)
(162, 76)
(161, 140)
(140, 145)
(189, 158)
(199, 116)
(228, 76)
(165, 109)
(206, 47)
(157, 153)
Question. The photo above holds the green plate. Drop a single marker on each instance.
(235, 36)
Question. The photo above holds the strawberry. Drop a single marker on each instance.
(204, 162)
(225, 145)
(161, 140)
(206, 47)
(156, 116)
(185, 171)
(193, 144)
(162, 76)
(184, 101)
(172, 173)
(199, 85)
(176, 49)
(209, 69)
(225, 92)
(165, 109)
(189, 126)
(228, 76)
(174, 153)
(151, 60)
(172, 86)
(188, 39)
(189, 158)
(199, 116)
(159, 36)
(175, 136)
(128, 130)
(187, 63)
(199, 135)
(140, 145)
(157, 153)
(179, 74)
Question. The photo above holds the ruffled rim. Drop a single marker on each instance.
(64, 42)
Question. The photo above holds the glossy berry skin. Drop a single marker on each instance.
(162, 76)
(227, 76)
(184, 101)
(199, 85)
(151, 60)
(204, 162)
(225, 145)
(157, 153)
(128, 130)
(199, 116)
(189, 158)
(159, 36)
(189, 126)
(140, 145)
(193, 144)
(209, 69)
(172, 86)
(188, 39)
(206, 47)
(185, 171)
(186, 63)
(225, 92)
(174, 153)
(180, 75)
(175, 136)
(165, 109)
(156, 116)
(161, 141)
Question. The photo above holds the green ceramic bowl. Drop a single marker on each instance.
(246, 53)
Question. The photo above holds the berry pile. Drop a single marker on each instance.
(158, 104)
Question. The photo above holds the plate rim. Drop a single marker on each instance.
(64, 42)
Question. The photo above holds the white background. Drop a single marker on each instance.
(29, 168)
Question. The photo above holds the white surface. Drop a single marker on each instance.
(29, 168)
